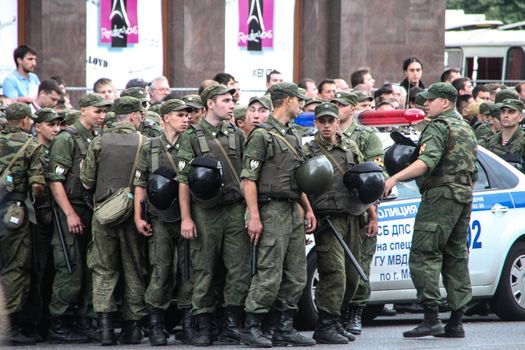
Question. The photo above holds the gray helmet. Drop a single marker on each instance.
(162, 189)
(205, 177)
(315, 175)
(365, 181)
(401, 154)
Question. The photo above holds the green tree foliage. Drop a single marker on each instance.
(507, 11)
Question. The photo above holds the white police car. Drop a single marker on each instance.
(496, 242)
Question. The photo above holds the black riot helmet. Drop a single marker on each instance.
(315, 175)
(205, 177)
(163, 189)
(366, 181)
(401, 154)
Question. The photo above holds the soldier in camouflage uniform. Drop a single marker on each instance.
(482, 129)
(47, 126)
(151, 125)
(445, 172)
(275, 222)
(371, 148)
(218, 236)
(108, 167)
(71, 295)
(335, 272)
(20, 174)
(509, 143)
(197, 108)
(164, 229)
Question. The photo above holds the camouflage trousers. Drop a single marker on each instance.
(163, 261)
(281, 261)
(221, 241)
(115, 250)
(71, 294)
(337, 277)
(368, 249)
(439, 246)
(16, 259)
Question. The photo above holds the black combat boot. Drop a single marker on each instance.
(131, 333)
(251, 335)
(354, 325)
(61, 331)
(202, 335)
(14, 336)
(267, 326)
(85, 327)
(230, 328)
(30, 330)
(341, 330)
(326, 330)
(454, 327)
(431, 325)
(285, 334)
(156, 328)
(187, 332)
(345, 315)
(106, 329)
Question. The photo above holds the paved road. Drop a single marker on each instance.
(483, 333)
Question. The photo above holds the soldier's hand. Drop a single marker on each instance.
(74, 224)
(144, 228)
(255, 228)
(389, 184)
(372, 228)
(311, 221)
(188, 229)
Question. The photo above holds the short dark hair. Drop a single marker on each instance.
(50, 85)
(223, 78)
(100, 82)
(479, 88)
(459, 83)
(413, 93)
(303, 83)
(384, 90)
(461, 101)
(323, 83)
(410, 60)
(518, 87)
(269, 75)
(447, 73)
(58, 79)
(22, 51)
(358, 77)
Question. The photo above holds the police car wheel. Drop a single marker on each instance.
(509, 300)
(306, 317)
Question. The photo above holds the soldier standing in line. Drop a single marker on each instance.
(20, 174)
(275, 223)
(107, 168)
(371, 148)
(47, 126)
(216, 226)
(445, 172)
(73, 289)
(160, 154)
(335, 202)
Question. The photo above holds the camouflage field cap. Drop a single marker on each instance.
(17, 111)
(326, 108)
(110, 119)
(215, 90)
(312, 100)
(506, 94)
(284, 90)
(484, 108)
(127, 104)
(239, 112)
(153, 117)
(495, 110)
(440, 90)
(93, 100)
(362, 97)
(345, 98)
(264, 100)
(193, 101)
(136, 92)
(420, 100)
(47, 115)
(514, 104)
(173, 105)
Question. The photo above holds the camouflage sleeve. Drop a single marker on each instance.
(373, 149)
(60, 157)
(184, 155)
(433, 144)
(358, 156)
(143, 166)
(307, 151)
(88, 166)
(255, 153)
(37, 161)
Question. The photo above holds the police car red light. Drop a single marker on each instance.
(394, 117)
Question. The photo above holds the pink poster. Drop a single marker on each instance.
(119, 22)
(255, 24)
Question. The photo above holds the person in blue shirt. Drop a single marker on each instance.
(22, 84)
